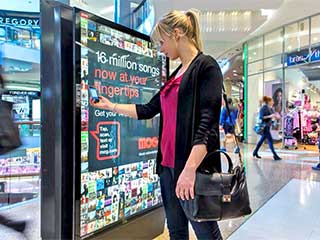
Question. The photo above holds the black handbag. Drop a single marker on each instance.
(218, 196)
(9, 132)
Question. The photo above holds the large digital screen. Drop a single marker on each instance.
(118, 153)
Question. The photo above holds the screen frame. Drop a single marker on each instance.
(77, 75)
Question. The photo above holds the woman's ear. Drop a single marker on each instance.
(176, 34)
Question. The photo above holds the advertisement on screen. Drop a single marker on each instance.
(118, 153)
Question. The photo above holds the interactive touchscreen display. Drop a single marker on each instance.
(118, 153)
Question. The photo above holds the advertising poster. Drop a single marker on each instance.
(118, 153)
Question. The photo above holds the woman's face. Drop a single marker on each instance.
(168, 46)
(279, 96)
(270, 103)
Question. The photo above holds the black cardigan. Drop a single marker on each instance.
(206, 71)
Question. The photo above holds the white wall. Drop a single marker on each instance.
(20, 5)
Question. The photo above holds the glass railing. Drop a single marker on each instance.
(29, 128)
(143, 17)
(20, 169)
(26, 37)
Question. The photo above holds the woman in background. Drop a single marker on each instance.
(228, 124)
(267, 114)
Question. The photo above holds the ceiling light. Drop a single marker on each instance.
(315, 39)
(266, 12)
(106, 10)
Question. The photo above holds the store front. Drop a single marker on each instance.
(20, 60)
(284, 64)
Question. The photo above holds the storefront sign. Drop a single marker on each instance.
(315, 54)
(24, 93)
(298, 57)
(20, 21)
(303, 56)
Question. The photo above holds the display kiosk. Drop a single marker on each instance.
(98, 167)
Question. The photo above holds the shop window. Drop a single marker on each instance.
(298, 86)
(255, 49)
(315, 30)
(255, 67)
(273, 75)
(255, 90)
(273, 43)
(297, 36)
(273, 62)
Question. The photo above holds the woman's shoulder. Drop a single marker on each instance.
(264, 108)
(207, 60)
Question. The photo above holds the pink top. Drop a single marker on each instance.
(169, 102)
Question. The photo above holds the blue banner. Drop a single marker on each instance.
(303, 56)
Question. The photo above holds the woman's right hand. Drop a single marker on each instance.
(104, 103)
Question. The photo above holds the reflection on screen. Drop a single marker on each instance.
(118, 153)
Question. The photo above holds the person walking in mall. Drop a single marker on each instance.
(228, 123)
(267, 114)
(13, 224)
(183, 143)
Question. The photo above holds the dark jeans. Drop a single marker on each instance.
(176, 219)
(266, 135)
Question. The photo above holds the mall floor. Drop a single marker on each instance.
(285, 199)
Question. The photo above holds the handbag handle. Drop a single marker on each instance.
(228, 111)
(212, 154)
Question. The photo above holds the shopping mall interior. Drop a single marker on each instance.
(69, 179)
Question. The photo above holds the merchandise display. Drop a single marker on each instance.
(300, 122)
(118, 178)
(25, 164)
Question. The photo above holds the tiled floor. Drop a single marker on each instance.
(275, 192)
(29, 212)
(293, 213)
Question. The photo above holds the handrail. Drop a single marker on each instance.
(15, 175)
(139, 6)
(27, 122)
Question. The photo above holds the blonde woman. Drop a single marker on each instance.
(179, 156)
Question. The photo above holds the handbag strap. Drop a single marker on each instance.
(228, 111)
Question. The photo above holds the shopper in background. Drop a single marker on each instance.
(228, 123)
(179, 156)
(267, 114)
(15, 225)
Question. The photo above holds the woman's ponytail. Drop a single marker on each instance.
(195, 31)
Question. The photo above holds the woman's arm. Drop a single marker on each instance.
(268, 116)
(265, 113)
(222, 116)
(210, 88)
(137, 111)
(185, 184)
(125, 109)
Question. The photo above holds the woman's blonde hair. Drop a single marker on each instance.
(188, 22)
